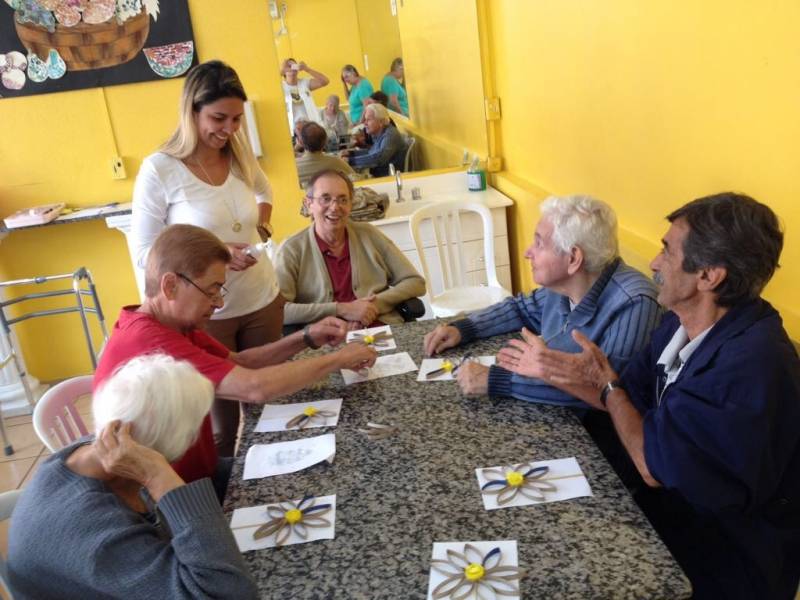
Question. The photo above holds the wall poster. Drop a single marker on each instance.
(59, 45)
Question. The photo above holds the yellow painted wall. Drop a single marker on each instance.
(324, 34)
(442, 60)
(58, 147)
(649, 105)
(380, 37)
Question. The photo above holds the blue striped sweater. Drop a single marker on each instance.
(618, 313)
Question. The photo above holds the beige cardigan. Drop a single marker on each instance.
(377, 265)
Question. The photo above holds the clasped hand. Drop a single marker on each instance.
(240, 260)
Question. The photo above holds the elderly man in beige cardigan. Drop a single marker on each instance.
(337, 267)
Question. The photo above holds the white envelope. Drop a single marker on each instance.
(275, 416)
(266, 460)
(385, 366)
(564, 473)
(245, 521)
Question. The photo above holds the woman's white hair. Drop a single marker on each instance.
(584, 222)
(378, 111)
(164, 399)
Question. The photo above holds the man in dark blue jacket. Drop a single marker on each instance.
(709, 412)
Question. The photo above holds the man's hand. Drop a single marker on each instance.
(239, 260)
(473, 379)
(440, 339)
(587, 369)
(355, 356)
(330, 331)
(363, 310)
(123, 457)
(524, 357)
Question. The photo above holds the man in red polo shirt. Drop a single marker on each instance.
(183, 286)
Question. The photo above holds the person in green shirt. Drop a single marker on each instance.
(356, 88)
(393, 85)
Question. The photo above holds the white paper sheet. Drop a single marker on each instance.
(390, 344)
(385, 366)
(564, 473)
(275, 416)
(431, 364)
(266, 460)
(508, 549)
(245, 521)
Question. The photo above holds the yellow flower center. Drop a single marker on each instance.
(515, 478)
(474, 572)
(293, 516)
(368, 339)
(310, 411)
(447, 366)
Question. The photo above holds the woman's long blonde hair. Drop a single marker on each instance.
(207, 83)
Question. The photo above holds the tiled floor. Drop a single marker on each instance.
(16, 470)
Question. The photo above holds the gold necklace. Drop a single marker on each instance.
(237, 226)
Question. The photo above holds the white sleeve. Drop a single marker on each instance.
(149, 211)
(263, 189)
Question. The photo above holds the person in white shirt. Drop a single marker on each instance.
(297, 91)
(207, 175)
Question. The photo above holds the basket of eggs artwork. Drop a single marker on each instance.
(87, 34)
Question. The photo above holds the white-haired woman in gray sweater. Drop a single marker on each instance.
(110, 518)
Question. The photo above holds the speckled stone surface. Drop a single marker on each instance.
(397, 496)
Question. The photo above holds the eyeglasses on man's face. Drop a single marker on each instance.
(325, 200)
(213, 296)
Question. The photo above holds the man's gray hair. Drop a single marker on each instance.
(585, 222)
(378, 111)
(164, 399)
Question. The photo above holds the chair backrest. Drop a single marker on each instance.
(445, 225)
(8, 500)
(408, 163)
(55, 418)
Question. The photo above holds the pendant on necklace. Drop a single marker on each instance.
(237, 227)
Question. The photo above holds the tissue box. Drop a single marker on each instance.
(37, 215)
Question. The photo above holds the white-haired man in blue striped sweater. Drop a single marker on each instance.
(584, 285)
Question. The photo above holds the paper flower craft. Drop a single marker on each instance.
(295, 519)
(376, 431)
(513, 480)
(12, 70)
(448, 366)
(308, 415)
(472, 575)
(379, 339)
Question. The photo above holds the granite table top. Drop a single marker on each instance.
(397, 496)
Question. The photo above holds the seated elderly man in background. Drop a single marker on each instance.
(314, 160)
(109, 517)
(297, 140)
(708, 412)
(340, 267)
(388, 144)
(584, 285)
(184, 284)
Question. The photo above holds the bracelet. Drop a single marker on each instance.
(615, 384)
(308, 339)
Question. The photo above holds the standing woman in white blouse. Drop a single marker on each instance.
(207, 175)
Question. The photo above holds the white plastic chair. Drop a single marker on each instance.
(55, 418)
(8, 500)
(408, 163)
(457, 296)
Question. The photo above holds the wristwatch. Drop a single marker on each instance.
(615, 384)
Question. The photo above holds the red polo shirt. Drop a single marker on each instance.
(339, 270)
(138, 333)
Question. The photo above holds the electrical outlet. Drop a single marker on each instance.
(118, 168)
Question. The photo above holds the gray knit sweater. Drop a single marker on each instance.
(71, 537)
